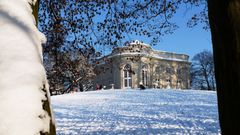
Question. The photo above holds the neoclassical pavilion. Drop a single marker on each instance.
(137, 63)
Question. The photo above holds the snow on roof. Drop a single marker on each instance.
(128, 50)
(154, 53)
(140, 43)
(147, 55)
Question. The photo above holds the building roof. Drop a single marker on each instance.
(139, 48)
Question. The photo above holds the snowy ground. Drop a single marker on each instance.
(137, 112)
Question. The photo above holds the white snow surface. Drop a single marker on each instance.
(21, 70)
(152, 111)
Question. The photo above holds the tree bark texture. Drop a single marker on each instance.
(224, 17)
(46, 104)
(35, 9)
(47, 107)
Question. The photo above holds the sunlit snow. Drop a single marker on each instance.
(137, 112)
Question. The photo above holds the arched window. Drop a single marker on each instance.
(144, 75)
(168, 70)
(179, 84)
(127, 76)
(179, 71)
(169, 83)
(157, 70)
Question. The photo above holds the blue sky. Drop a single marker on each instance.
(184, 40)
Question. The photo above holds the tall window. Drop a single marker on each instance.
(168, 83)
(144, 75)
(168, 70)
(179, 71)
(157, 70)
(127, 76)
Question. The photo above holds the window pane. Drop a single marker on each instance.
(146, 78)
(125, 73)
(125, 82)
(130, 82)
(129, 74)
(143, 77)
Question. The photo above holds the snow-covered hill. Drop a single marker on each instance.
(137, 112)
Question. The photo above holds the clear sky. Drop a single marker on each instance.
(185, 40)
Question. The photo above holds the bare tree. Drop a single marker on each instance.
(71, 26)
(202, 70)
(151, 18)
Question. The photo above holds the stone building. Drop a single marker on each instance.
(137, 63)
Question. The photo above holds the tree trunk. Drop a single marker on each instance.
(25, 108)
(213, 82)
(224, 17)
(206, 78)
(46, 103)
(35, 9)
(47, 107)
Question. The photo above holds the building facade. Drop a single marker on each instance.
(137, 63)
